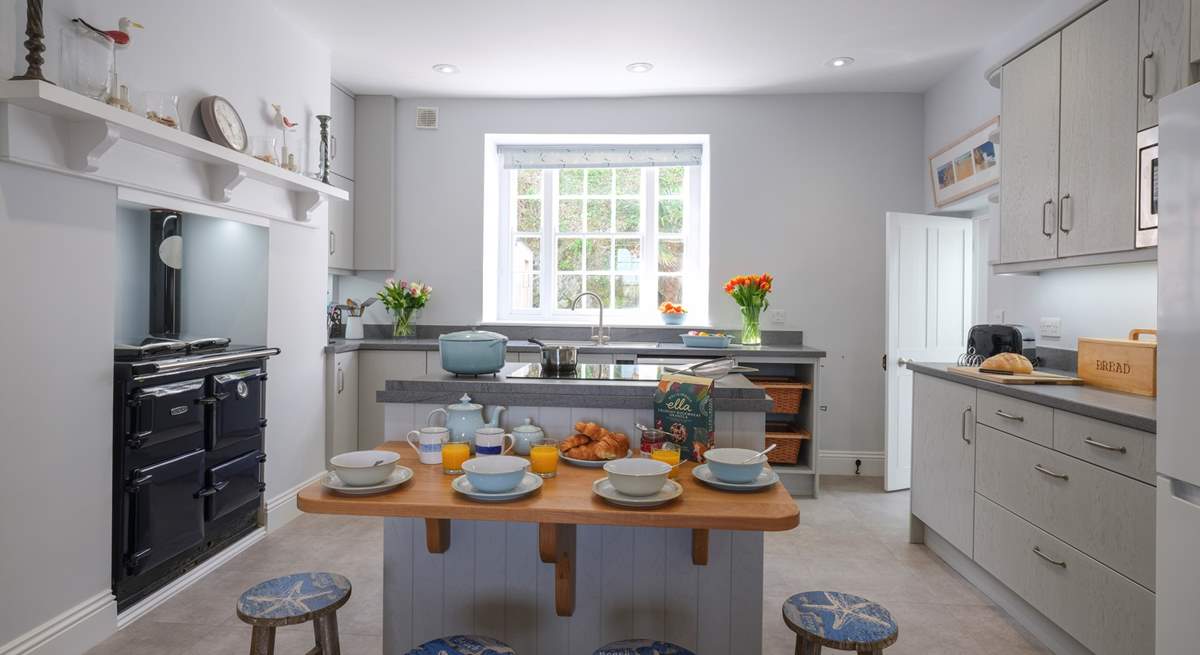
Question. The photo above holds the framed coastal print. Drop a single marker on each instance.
(967, 165)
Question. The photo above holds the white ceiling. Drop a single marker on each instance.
(579, 48)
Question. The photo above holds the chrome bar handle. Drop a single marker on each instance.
(1042, 469)
(1103, 446)
(332, 242)
(965, 413)
(1057, 562)
(1048, 225)
(1066, 219)
(1012, 417)
(1147, 67)
(168, 366)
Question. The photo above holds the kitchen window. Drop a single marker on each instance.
(575, 219)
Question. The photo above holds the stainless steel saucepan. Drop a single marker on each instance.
(558, 358)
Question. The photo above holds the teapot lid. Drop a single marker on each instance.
(465, 403)
(527, 427)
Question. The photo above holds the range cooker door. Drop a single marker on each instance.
(236, 402)
(233, 484)
(164, 511)
(164, 421)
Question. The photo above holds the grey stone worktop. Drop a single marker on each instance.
(731, 393)
(1138, 412)
(616, 348)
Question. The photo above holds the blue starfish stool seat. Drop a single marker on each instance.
(463, 645)
(642, 647)
(840, 621)
(292, 599)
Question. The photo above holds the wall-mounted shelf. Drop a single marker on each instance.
(93, 128)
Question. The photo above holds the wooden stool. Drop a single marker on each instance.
(294, 599)
(463, 645)
(840, 621)
(642, 647)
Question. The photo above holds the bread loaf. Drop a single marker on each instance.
(1010, 362)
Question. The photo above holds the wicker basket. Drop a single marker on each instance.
(786, 395)
(787, 440)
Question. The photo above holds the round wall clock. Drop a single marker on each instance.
(223, 124)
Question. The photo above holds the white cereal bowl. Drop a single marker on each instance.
(363, 468)
(495, 473)
(637, 476)
(729, 464)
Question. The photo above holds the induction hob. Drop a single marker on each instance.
(593, 372)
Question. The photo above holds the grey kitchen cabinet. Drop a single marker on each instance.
(341, 128)
(1163, 44)
(943, 463)
(1097, 177)
(375, 183)
(341, 404)
(375, 367)
(1029, 159)
(341, 226)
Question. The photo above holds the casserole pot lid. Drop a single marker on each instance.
(473, 335)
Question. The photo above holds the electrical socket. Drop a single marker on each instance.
(997, 315)
(778, 316)
(1050, 327)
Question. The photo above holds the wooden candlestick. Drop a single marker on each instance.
(34, 46)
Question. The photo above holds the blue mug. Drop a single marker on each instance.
(490, 441)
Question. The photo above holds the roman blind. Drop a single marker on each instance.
(599, 156)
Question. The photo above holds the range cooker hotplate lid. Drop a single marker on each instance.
(153, 347)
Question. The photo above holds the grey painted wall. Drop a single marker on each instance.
(799, 187)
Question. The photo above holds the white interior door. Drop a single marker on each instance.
(929, 310)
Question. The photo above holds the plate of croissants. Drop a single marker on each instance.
(593, 445)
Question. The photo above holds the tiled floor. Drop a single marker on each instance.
(854, 539)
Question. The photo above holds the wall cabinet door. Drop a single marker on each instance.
(943, 458)
(341, 226)
(1163, 37)
(1029, 126)
(375, 367)
(341, 147)
(375, 202)
(343, 405)
(1098, 142)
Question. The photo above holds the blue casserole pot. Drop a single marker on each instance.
(472, 352)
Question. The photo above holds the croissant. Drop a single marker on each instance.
(611, 446)
(585, 452)
(573, 442)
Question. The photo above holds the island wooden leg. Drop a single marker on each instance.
(547, 536)
(556, 545)
(437, 535)
(700, 546)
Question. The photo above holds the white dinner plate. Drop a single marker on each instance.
(528, 484)
(590, 463)
(765, 479)
(670, 491)
(399, 476)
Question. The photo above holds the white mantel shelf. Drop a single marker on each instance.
(93, 128)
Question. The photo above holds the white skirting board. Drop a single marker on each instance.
(841, 462)
(629, 583)
(72, 632)
(282, 508)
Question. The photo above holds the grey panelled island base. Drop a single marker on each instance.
(562, 572)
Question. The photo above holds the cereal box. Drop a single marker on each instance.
(683, 407)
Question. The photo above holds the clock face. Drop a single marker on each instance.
(230, 124)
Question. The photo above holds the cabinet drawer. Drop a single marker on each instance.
(1020, 417)
(1115, 447)
(1108, 516)
(1100, 608)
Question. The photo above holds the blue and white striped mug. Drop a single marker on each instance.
(490, 441)
(429, 443)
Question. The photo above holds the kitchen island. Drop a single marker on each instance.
(561, 571)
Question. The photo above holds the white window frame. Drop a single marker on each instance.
(694, 272)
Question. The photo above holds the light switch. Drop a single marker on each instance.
(1050, 327)
(778, 316)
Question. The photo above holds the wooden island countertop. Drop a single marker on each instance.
(565, 499)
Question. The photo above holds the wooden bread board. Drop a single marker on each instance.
(1036, 377)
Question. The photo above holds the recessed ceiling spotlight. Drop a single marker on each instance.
(840, 62)
(448, 69)
(640, 67)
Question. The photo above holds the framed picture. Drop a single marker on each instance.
(967, 165)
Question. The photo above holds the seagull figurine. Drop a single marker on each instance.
(283, 121)
(119, 36)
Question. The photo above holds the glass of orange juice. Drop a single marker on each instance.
(669, 454)
(454, 453)
(543, 456)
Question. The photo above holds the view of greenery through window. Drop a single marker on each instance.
(587, 229)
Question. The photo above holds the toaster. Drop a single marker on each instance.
(986, 340)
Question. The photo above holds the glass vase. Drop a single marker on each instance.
(751, 332)
(402, 325)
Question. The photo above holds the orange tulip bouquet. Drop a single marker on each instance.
(750, 293)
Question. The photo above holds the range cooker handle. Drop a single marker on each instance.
(215, 398)
(213, 490)
(138, 439)
(133, 561)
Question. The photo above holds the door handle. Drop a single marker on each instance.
(332, 147)
(341, 378)
(1103, 446)
(1048, 218)
(903, 362)
(1012, 417)
(965, 413)
(332, 242)
(1148, 67)
(1057, 562)
(1054, 474)
(1066, 219)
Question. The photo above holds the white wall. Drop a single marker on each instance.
(58, 233)
(799, 187)
(1122, 297)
